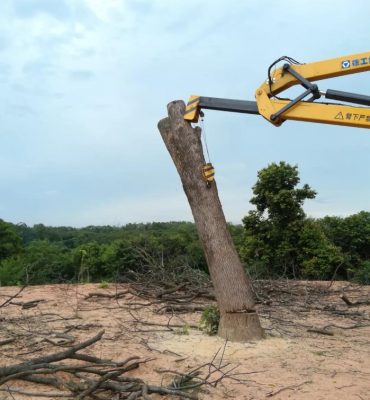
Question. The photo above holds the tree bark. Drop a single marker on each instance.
(239, 320)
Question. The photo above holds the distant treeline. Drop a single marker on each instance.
(276, 239)
(57, 254)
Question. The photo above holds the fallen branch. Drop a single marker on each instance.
(171, 290)
(48, 395)
(16, 295)
(27, 304)
(346, 300)
(321, 331)
(181, 308)
(7, 341)
(13, 369)
(42, 370)
(285, 388)
(190, 326)
(107, 295)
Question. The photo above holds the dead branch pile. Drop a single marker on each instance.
(166, 286)
(287, 305)
(101, 379)
(183, 297)
(296, 298)
(284, 306)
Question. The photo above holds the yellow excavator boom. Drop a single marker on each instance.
(277, 110)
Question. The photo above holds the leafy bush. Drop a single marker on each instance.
(103, 285)
(210, 320)
(45, 262)
(184, 330)
(10, 243)
(362, 275)
(318, 258)
(11, 272)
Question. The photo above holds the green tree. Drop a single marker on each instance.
(317, 257)
(118, 258)
(278, 236)
(351, 234)
(45, 262)
(89, 258)
(276, 193)
(10, 242)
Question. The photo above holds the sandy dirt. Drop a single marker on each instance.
(304, 365)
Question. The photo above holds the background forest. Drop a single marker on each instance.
(276, 239)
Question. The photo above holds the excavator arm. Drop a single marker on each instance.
(303, 108)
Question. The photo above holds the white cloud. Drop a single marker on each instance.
(94, 138)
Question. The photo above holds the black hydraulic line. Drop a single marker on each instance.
(237, 106)
(304, 82)
(348, 97)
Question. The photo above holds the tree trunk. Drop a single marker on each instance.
(239, 320)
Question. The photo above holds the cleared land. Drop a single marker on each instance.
(291, 362)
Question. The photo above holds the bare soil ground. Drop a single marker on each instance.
(290, 363)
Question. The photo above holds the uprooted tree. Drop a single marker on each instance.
(239, 319)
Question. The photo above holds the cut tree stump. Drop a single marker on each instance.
(239, 319)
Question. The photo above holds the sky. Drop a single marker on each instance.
(83, 84)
